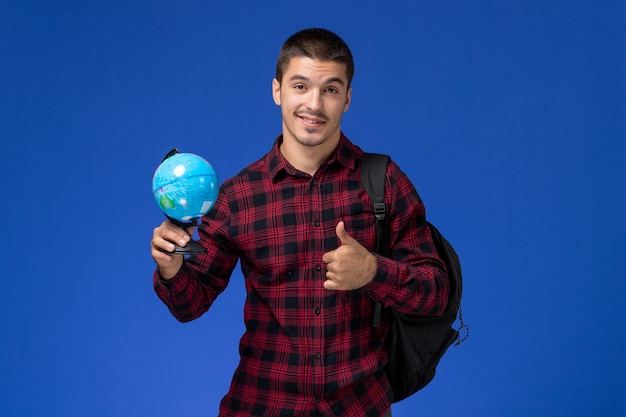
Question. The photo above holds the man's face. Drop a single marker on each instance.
(313, 96)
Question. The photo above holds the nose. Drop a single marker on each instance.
(314, 100)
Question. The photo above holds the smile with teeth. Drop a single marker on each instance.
(310, 121)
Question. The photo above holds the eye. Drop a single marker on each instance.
(332, 90)
(299, 87)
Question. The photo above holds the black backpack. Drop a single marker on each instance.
(414, 344)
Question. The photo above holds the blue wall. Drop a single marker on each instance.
(509, 117)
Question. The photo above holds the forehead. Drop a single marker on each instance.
(316, 70)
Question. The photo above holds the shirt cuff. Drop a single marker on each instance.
(175, 285)
(385, 278)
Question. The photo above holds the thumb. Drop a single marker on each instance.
(343, 236)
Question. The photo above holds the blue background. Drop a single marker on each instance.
(509, 116)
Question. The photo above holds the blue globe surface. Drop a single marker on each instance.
(185, 186)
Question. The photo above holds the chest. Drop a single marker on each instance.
(287, 222)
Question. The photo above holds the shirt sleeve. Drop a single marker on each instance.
(415, 281)
(202, 277)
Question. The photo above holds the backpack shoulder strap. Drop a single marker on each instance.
(373, 176)
(373, 172)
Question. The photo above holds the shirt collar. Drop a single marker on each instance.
(346, 154)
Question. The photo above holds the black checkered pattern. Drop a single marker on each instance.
(307, 350)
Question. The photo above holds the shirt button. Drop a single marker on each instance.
(318, 311)
(318, 268)
(314, 182)
(317, 356)
(316, 223)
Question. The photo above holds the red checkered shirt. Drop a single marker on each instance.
(308, 351)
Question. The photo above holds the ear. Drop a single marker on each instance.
(348, 99)
(276, 91)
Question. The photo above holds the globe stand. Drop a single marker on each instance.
(192, 247)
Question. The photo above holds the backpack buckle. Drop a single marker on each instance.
(379, 211)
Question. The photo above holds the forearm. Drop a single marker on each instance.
(167, 273)
(190, 293)
(420, 289)
(181, 294)
(415, 280)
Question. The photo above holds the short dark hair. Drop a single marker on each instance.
(315, 43)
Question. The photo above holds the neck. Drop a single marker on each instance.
(307, 158)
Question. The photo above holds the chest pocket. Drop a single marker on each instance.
(357, 213)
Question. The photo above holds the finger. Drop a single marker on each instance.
(331, 285)
(328, 257)
(161, 256)
(167, 227)
(343, 236)
(174, 235)
(161, 245)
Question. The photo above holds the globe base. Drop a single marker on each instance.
(192, 248)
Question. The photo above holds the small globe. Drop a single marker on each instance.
(185, 186)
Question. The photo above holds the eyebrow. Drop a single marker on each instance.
(328, 81)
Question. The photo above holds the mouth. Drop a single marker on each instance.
(311, 121)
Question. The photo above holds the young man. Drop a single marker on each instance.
(303, 228)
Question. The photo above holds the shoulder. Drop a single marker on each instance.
(255, 172)
(400, 192)
(394, 175)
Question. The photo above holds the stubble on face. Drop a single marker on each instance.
(311, 118)
(313, 97)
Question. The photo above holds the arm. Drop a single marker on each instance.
(415, 281)
(189, 286)
(163, 239)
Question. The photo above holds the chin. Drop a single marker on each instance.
(311, 141)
